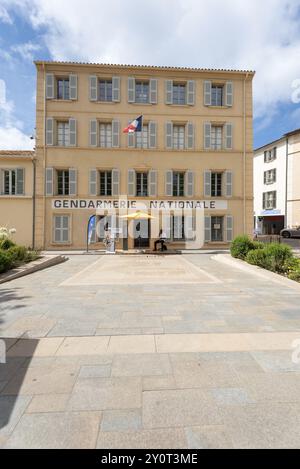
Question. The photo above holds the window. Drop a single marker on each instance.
(105, 135)
(63, 182)
(216, 137)
(105, 182)
(216, 184)
(178, 184)
(63, 90)
(105, 90)
(63, 134)
(61, 229)
(270, 176)
(269, 200)
(217, 229)
(179, 93)
(217, 95)
(178, 137)
(142, 138)
(141, 184)
(142, 92)
(177, 228)
(9, 182)
(270, 155)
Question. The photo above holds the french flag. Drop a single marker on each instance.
(134, 126)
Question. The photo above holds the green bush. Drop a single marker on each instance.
(5, 261)
(279, 254)
(258, 245)
(259, 257)
(294, 275)
(240, 247)
(6, 243)
(18, 254)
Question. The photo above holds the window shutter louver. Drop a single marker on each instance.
(115, 133)
(207, 229)
(152, 134)
(131, 183)
(207, 183)
(190, 136)
(131, 90)
(72, 181)
(93, 88)
(207, 135)
(153, 91)
(116, 89)
(189, 228)
(229, 183)
(169, 91)
(49, 181)
(190, 99)
(207, 93)
(189, 184)
(73, 86)
(229, 228)
(169, 135)
(20, 181)
(115, 177)
(228, 136)
(229, 93)
(93, 132)
(177, 227)
(169, 183)
(1, 182)
(131, 138)
(152, 183)
(49, 131)
(93, 182)
(49, 86)
(72, 132)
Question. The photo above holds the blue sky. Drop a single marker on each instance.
(264, 35)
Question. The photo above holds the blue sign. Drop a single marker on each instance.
(271, 212)
(91, 227)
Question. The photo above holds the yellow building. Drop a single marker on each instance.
(195, 149)
(17, 170)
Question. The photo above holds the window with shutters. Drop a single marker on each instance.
(141, 184)
(105, 90)
(63, 178)
(177, 228)
(106, 183)
(9, 182)
(178, 137)
(179, 93)
(270, 155)
(216, 184)
(216, 137)
(61, 228)
(105, 135)
(141, 138)
(270, 176)
(62, 88)
(269, 200)
(217, 224)
(63, 133)
(178, 184)
(142, 91)
(217, 95)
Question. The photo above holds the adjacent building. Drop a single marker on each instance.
(276, 184)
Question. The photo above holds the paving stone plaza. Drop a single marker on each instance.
(149, 352)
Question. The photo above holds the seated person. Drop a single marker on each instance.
(161, 240)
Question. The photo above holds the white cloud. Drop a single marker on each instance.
(26, 50)
(4, 16)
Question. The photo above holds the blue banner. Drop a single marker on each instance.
(91, 227)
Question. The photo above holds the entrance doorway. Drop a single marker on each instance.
(141, 233)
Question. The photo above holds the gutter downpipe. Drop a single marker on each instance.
(286, 180)
(244, 155)
(33, 202)
(44, 157)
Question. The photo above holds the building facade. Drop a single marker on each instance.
(195, 146)
(17, 169)
(276, 184)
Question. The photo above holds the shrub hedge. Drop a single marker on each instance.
(14, 256)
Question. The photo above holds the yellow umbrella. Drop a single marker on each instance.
(137, 216)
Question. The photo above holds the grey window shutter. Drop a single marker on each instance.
(190, 136)
(152, 134)
(207, 93)
(1, 182)
(169, 91)
(229, 93)
(229, 180)
(191, 88)
(169, 183)
(20, 181)
(73, 181)
(49, 131)
(115, 133)
(207, 135)
(73, 86)
(177, 226)
(131, 90)
(49, 181)
(169, 135)
(189, 227)
(228, 138)
(153, 91)
(131, 138)
(93, 92)
(116, 89)
(93, 182)
(115, 177)
(207, 183)
(49, 85)
(229, 228)
(152, 183)
(207, 229)
(93, 132)
(189, 184)
(73, 132)
(131, 183)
